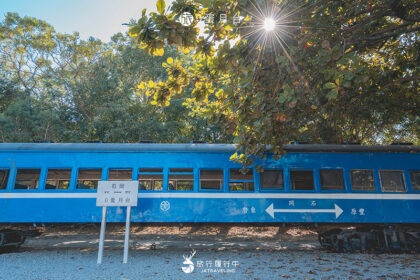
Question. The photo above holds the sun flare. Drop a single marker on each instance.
(269, 24)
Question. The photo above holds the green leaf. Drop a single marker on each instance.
(322, 53)
(160, 5)
(282, 98)
(349, 76)
(330, 85)
(332, 94)
(347, 84)
(287, 90)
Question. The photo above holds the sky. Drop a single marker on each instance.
(98, 18)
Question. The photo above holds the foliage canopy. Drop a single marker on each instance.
(60, 88)
(329, 72)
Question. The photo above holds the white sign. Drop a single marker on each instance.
(117, 193)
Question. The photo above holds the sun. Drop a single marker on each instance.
(269, 24)
(270, 29)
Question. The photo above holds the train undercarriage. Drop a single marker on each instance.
(379, 239)
(12, 239)
(342, 239)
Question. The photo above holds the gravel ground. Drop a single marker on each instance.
(167, 264)
(222, 252)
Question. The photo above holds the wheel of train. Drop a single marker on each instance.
(390, 239)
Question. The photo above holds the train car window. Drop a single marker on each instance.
(332, 179)
(88, 178)
(415, 179)
(27, 179)
(237, 174)
(271, 179)
(181, 182)
(151, 170)
(211, 179)
(362, 180)
(58, 179)
(120, 175)
(392, 180)
(4, 177)
(302, 180)
(241, 186)
(181, 170)
(151, 182)
(246, 178)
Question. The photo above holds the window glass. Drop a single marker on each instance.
(211, 179)
(241, 175)
(151, 170)
(181, 170)
(27, 179)
(181, 182)
(392, 180)
(151, 182)
(120, 175)
(302, 180)
(332, 179)
(4, 177)
(237, 174)
(88, 178)
(362, 180)
(58, 179)
(241, 186)
(271, 179)
(415, 179)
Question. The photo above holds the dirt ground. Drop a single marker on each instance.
(175, 236)
(210, 232)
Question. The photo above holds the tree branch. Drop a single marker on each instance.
(380, 36)
(407, 13)
(401, 80)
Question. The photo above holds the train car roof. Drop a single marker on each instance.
(155, 147)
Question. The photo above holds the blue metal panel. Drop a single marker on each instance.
(214, 210)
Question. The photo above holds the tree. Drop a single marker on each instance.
(60, 88)
(329, 71)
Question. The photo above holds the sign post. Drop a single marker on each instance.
(127, 234)
(102, 235)
(116, 193)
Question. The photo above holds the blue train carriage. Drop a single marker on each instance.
(56, 183)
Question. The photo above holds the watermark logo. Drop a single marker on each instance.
(187, 261)
(209, 266)
(186, 19)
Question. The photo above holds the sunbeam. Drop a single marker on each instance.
(269, 24)
(272, 29)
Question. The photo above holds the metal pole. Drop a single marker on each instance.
(102, 235)
(127, 234)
